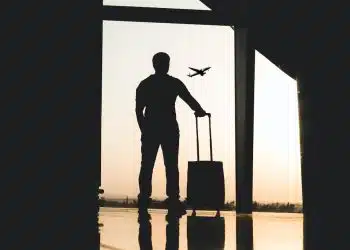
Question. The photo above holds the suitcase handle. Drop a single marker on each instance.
(210, 140)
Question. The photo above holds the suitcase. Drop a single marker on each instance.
(205, 181)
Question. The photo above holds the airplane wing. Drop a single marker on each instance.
(197, 70)
(206, 68)
(193, 74)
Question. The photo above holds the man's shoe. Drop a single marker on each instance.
(177, 208)
(172, 217)
(182, 208)
(143, 203)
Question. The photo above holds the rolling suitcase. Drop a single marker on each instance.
(205, 181)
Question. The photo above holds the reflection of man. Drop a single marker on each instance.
(157, 95)
(172, 233)
(145, 234)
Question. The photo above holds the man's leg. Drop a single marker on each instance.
(149, 149)
(170, 147)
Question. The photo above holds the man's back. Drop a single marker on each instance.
(158, 93)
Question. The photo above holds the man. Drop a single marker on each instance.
(157, 95)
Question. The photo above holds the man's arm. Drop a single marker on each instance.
(140, 105)
(185, 95)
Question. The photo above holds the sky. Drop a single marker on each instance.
(171, 4)
(127, 59)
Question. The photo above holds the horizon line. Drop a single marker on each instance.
(123, 197)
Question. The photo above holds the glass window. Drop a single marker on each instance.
(170, 4)
(128, 48)
(277, 169)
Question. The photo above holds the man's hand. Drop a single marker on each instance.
(200, 113)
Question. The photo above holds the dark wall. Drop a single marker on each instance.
(325, 137)
(52, 88)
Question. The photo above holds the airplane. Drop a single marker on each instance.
(199, 71)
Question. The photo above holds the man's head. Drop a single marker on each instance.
(161, 62)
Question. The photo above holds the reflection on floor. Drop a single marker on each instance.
(205, 232)
(202, 233)
(122, 230)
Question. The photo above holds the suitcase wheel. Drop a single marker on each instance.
(193, 212)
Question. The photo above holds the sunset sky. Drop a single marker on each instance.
(127, 59)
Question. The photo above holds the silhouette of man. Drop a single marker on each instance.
(156, 95)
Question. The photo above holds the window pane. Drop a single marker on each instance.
(128, 48)
(170, 4)
(277, 169)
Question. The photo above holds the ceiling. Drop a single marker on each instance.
(291, 34)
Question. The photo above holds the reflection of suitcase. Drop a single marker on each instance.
(205, 181)
(205, 233)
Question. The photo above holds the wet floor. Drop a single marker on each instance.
(262, 231)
